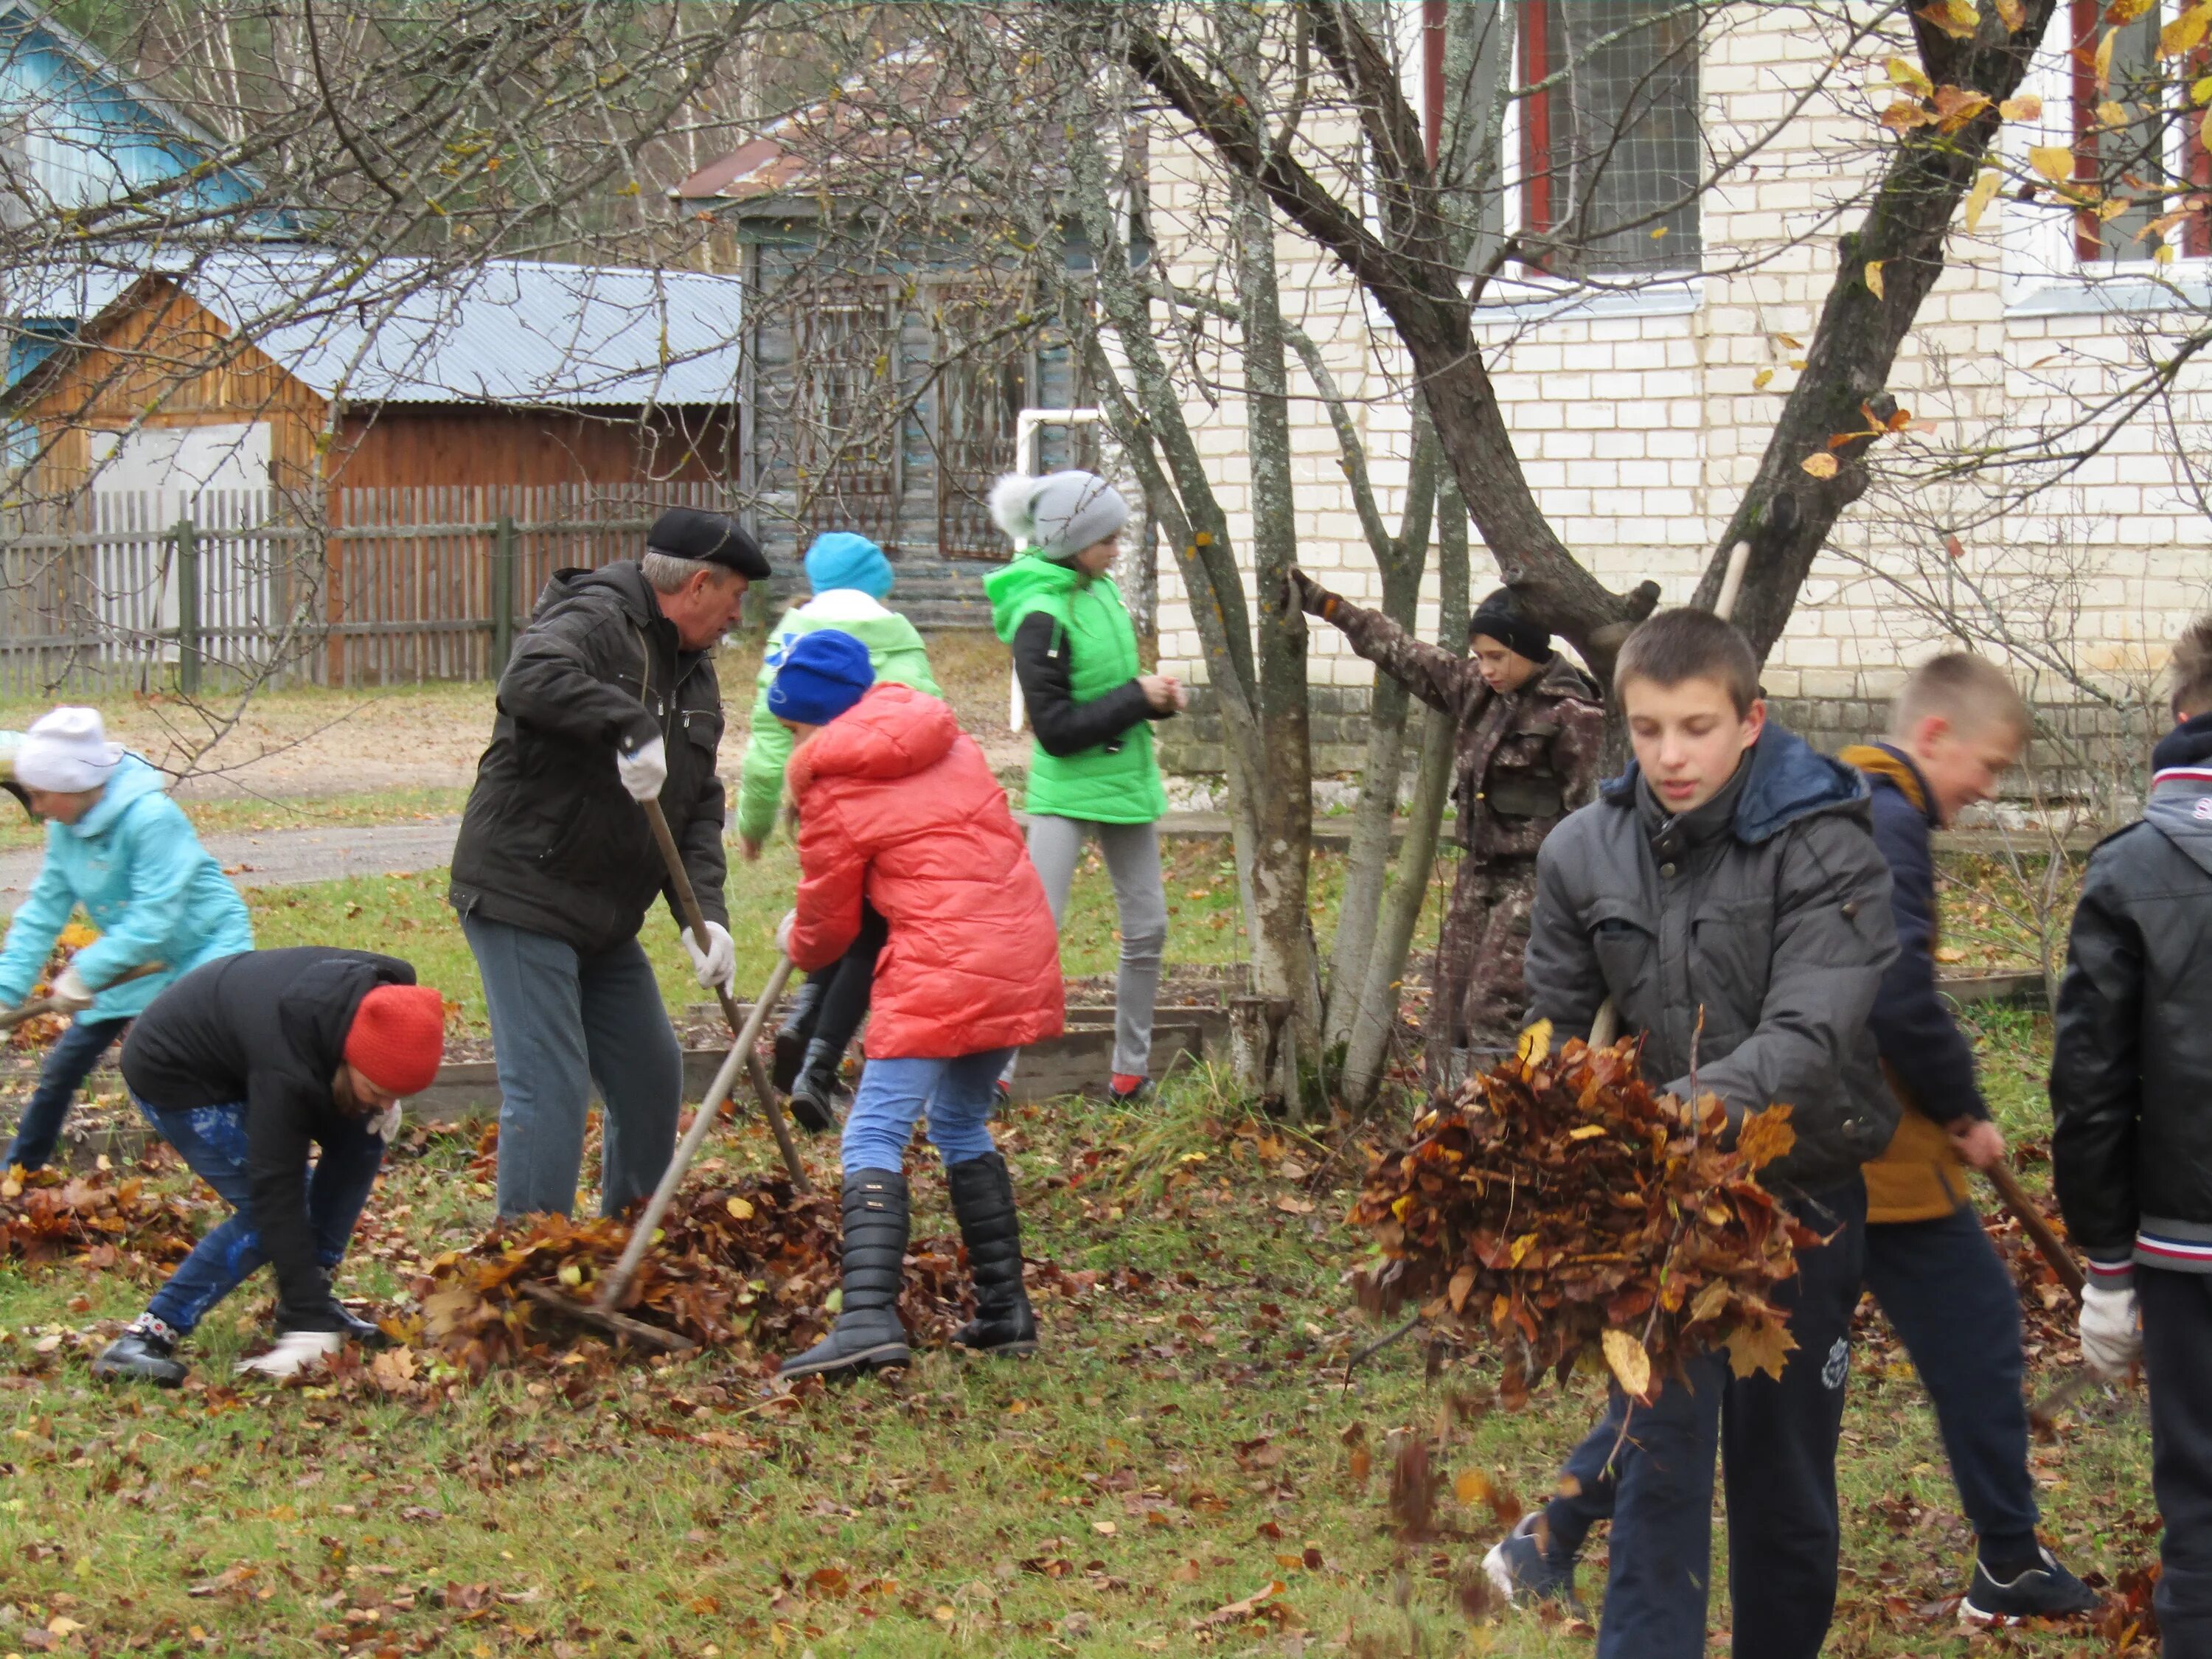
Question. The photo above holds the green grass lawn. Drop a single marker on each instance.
(408, 916)
(1186, 1441)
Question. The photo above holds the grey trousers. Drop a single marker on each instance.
(562, 1023)
(1133, 860)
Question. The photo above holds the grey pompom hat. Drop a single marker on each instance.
(1059, 514)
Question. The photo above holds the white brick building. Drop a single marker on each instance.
(1640, 416)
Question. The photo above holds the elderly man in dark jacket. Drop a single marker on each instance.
(1530, 732)
(2132, 1140)
(611, 699)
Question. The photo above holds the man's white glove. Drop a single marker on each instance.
(783, 931)
(387, 1123)
(294, 1352)
(717, 964)
(643, 770)
(69, 992)
(2111, 1341)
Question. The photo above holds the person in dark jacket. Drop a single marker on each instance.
(611, 699)
(1529, 734)
(2132, 1140)
(244, 1064)
(1727, 895)
(1957, 726)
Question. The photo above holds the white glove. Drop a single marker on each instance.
(387, 1123)
(69, 992)
(717, 964)
(783, 931)
(2111, 1341)
(643, 770)
(294, 1351)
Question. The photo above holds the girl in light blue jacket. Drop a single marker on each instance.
(120, 847)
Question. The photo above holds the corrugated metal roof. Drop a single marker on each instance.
(506, 331)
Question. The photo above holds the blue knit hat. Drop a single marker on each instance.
(825, 673)
(841, 559)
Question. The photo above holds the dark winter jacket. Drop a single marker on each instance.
(267, 1028)
(1521, 761)
(1919, 1175)
(1766, 911)
(550, 841)
(2132, 1139)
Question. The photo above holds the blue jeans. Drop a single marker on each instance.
(212, 1140)
(1953, 1305)
(1778, 1446)
(560, 1023)
(957, 1094)
(68, 1062)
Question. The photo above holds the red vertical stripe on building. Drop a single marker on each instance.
(1536, 117)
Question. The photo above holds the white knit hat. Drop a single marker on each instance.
(1059, 514)
(66, 751)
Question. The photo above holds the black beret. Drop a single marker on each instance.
(685, 533)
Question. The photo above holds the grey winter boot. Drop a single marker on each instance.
(868, 1335)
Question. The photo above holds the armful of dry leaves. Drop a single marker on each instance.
(1565, 1212)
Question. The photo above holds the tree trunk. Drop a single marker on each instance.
(1283, 961)
(1374, 1015)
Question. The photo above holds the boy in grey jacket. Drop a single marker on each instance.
(1727, 895)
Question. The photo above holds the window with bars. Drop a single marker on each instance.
(2139, 138)
(845, 448)
(1611, 153)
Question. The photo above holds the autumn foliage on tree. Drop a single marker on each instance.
(1562, 1210)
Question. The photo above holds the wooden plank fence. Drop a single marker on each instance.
(161, 590)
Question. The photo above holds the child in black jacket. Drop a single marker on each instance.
(244, 1066)
(2131, 1141)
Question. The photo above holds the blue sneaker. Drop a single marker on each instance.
(1520, 1568)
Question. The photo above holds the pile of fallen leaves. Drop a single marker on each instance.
(103, 1220)
(1563, 1208)
(755, 1260)
(40, 1029)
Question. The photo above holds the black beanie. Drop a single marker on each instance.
(1500, 618)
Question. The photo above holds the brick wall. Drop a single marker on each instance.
(1638, 431)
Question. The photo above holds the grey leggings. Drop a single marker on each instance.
(1133, 860)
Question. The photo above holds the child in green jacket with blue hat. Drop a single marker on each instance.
(120, 847)
(1092, 772)
(850, 576)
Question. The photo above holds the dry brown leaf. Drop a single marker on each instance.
(1818, 465)
(1630, 1364)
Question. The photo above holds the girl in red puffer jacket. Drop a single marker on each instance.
(896, 806)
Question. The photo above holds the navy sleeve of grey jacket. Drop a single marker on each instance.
(1918, 1038)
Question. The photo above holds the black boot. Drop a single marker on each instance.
(983, 1199)
(868, 1335)
(795, 1033)
(146, 1352)
(814, 1094)
(365, 1332)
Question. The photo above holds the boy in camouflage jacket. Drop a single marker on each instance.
(1528, 726)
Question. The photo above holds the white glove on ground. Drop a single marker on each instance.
(69, 992)
(643, 770)
(2111, 1341)
(294, 1351)
(783, 931)
(387, 1123)
(717, 964)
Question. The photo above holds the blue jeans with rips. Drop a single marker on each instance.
(956, 1093)
(212, 1140)
(68, 1062)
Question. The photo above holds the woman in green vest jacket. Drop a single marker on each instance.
(1089, 702)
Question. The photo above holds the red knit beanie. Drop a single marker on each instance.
(398, 1038)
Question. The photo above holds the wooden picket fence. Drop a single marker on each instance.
(159, 590)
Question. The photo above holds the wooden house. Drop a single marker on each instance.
(284, 368)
